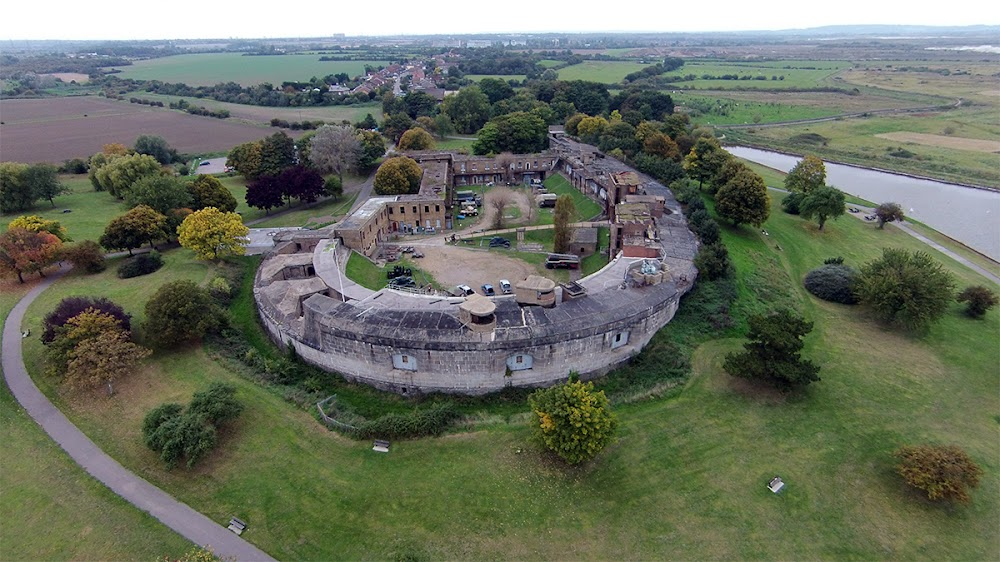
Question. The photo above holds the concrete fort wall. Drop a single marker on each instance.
(466, 365)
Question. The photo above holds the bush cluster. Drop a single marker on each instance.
(70, 307)
(297, 125)
(143, 264)
(833, 282)
(432, 420)
(178, 433)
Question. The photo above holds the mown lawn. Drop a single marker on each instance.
(90, 211)
(51, 508)
(586, 208)
(605, 72)
(685, 478)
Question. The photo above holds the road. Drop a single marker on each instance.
(178, 516)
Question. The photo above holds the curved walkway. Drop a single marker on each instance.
(178, 516)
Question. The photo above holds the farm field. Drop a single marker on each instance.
(57, 129)
(667, 487)
(731, 107)
(209, 69)
(504, 77)
(605, 72)
(263, 115)
(781, 75)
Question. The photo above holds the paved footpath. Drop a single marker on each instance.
(178, 516)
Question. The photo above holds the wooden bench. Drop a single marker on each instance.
(775, 485)
(381, 446)
(237, 526)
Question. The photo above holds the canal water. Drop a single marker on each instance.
(969, 215)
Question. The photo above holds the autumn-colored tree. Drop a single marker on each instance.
(133, 229)
(88, 324)
(807, 175)
(416, 139)
(590, 128)
(824, 202)
(943, 472)
(265, 193)
(889, 212)
(661, 145)
(102, 360)
(179, 311)
(208, 191)
(23, 251)
(744, 199)
(35, 223)
(572, 420)
(117, 176)
(212, 234)
(70, 307)
(397, 176)
(115, 149)
(562, 217)
(705, 159)
(86, 255)
(304, 184)
(573, 122)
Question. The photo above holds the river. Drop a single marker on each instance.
(969, 215)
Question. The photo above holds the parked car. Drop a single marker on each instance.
(418, 254)
(464, 290)
(505, 287)
(566, 261)
(488, 290)
(404, 281)
(499, 242)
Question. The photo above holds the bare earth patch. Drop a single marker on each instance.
(942, 141)
(70, 76)
(452, 266)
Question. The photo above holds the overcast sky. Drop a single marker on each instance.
(190, 19)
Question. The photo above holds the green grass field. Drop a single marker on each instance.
(504, 77)
(605, 72)
(684, 479)
(797, 74)
(51, 508)
(316, 215)
(213, 68)
(586, 208)
(91, 210)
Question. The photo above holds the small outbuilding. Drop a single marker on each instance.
(584, 242)
(536, 290)
(478, 313)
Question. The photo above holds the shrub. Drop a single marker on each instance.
(712, 261)
(979, 299)
(839, 260)
(220, 289)
(572, 420)
(791, 203)
(772, 354)
(143, 264)
(86, 255)
(217, 404)
(906, 289)
(179, 311)
(943, 472)
(189, 434)
(833, 282)
(694, 206)
(432, 420)
(70, 307)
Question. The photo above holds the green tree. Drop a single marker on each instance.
(372, 148)
(157, 147)
(42, 181)
(178, 312)
(23, 251)
(590, 128)
(495, 89)
(744, 199)
(772, 354)
(944, 472)
(208, 191)
(889, 212)
(395, 124)
(217, 404)
(659, 144)
(160, 193)
(398, 175)
(333, 187)
(133, 229)
(712, 261)
(518, 132)
(178, 435)
(120, 173)
(15, 192)
(246, 160)
(705, 160)
(563, 216)
(468, 110)
(416, 139)
(213, 234)
(807, 175)
(823, 203)
(905, 289)
(35, 223)
(277, 153)
(979, 299)
(572, 420)
(336, 149)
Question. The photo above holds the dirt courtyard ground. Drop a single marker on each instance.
(451, 265)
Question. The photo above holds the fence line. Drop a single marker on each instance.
(330, 421)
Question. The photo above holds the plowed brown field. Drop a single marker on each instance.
(56, 129)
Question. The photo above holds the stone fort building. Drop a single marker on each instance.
(414, 343)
